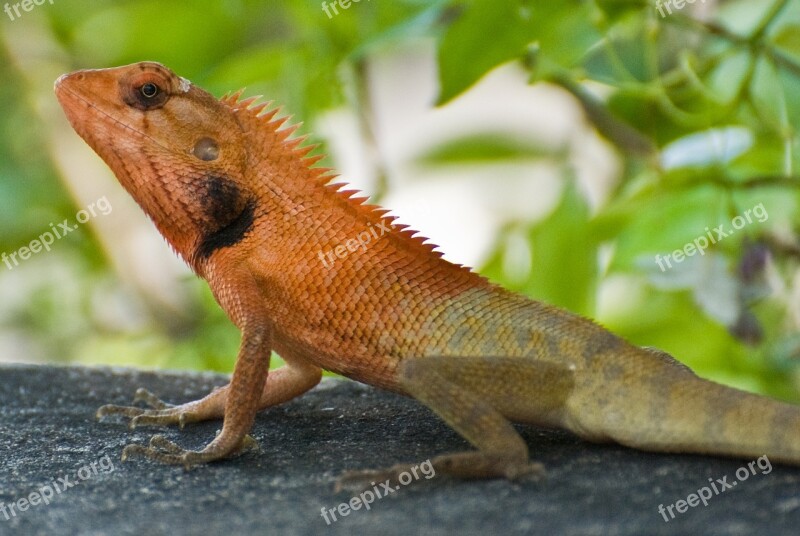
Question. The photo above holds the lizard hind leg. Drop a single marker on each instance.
(476, 396)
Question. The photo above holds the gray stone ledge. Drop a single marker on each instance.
(48, 431)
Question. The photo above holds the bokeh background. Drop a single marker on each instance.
(557, 147)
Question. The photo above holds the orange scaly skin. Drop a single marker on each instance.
(245, 207)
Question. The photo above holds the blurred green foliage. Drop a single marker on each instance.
(701, 109)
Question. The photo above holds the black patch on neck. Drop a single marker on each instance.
(228, 214)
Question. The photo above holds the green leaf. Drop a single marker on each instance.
(487, 33)
(621, 56)
(131, 31)
(618, 9)
(483, 148)
(562, 268)
(466, 54)
(618, 132)
(789, 39)
(658, 316)
(661, 222)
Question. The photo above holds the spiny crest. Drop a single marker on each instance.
(260, 118)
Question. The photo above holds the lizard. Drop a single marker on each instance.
(243, 202)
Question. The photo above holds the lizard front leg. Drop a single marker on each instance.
(241, 298)
(476, 396)
(241, 405)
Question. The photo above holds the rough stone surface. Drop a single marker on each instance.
(48, 432)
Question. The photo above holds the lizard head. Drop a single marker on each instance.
(175, 148)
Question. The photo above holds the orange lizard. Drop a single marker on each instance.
(327, 282)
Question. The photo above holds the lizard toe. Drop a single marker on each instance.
(125, 411)
(143, 395)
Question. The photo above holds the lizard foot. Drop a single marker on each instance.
(160, 414)
(473, 465)
(466, 465)
(165, 451)
(362, 480)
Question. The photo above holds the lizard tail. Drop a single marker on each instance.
(686, 413)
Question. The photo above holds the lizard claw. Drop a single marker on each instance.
(162, 418)
(112, 409)
(163, 450)
(362, 480)
(463, 465)
(358, 481)
(160, 414)
(143, 395)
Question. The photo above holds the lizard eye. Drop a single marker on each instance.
(145, 93)
(149, 90)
